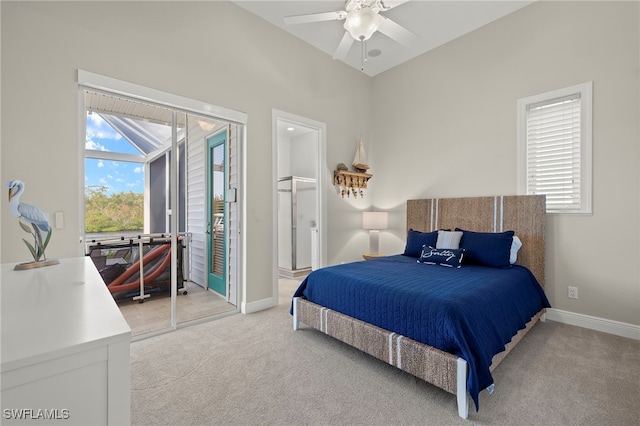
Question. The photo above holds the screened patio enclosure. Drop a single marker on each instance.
(143, 136)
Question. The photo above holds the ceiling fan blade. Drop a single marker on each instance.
(315, 17)
(344, 46)
(396, 31)
(390, 4)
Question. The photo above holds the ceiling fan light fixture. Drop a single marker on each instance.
(362, 23)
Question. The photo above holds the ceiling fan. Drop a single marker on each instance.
(361, 18)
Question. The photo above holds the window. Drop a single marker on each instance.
(554, 148)
(114, 185)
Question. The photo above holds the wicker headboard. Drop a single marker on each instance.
(524, 214)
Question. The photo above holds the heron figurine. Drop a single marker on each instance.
(32, 220)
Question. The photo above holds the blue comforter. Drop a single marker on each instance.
(471, 312)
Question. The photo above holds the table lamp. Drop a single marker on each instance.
(374, 221)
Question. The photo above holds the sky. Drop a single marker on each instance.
(117, 176)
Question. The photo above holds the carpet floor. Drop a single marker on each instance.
(255, 370)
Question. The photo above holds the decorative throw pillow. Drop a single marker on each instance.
(487, 248)
(416, 240)
(448, 239)
(516, 244)
(445, 257)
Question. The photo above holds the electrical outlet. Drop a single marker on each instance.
(572, 292)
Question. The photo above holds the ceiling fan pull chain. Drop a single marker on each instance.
(363, 54)
(364, 51)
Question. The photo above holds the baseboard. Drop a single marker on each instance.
(298, 273)
(259, 305)
(618, 328)
(594, 323)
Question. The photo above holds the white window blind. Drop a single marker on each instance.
(553, 152)
(554, 149)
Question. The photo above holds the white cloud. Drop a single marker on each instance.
(139, 169)
(91, 144)
(95, 119)
(100, 164)
(98, 128)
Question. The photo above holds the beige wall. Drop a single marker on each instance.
(441, 125)
(445, 125)
(210, 51)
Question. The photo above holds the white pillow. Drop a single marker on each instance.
(448, 240)
(515, 246)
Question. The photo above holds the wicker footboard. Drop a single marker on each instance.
(432, 365)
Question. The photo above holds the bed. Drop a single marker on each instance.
(449, 326)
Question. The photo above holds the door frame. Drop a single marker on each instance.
(213, 141)
(94, 81)
(321, 222)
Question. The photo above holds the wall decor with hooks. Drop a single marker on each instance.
(351, 184)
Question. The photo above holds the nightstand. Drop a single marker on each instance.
(367, 256)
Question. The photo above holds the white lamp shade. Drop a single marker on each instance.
(375, 220)
(362, 23)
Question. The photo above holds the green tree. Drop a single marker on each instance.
(123, 211)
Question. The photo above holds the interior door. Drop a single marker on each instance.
(217, 213)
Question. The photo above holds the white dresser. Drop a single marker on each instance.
(64, 347)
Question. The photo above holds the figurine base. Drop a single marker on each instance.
(34, 265)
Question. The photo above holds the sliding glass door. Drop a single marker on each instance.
(146, 170)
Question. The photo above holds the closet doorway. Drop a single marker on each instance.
(299, 158)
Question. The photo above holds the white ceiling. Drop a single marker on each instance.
(434, 22)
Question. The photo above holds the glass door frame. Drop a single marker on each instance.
(88, 80)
